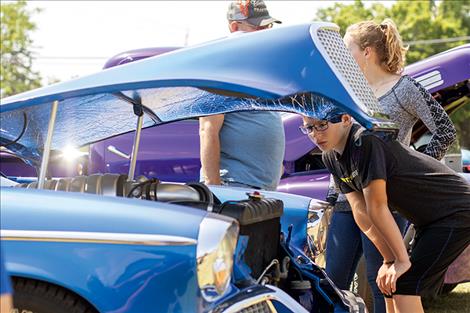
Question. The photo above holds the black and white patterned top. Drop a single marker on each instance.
(406, 103)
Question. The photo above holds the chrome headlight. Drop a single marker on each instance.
(216, 246)
(316, 209)
(319, 213)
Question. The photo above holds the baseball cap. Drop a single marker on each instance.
(254, 12)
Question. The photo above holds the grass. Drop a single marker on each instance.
(458, 301)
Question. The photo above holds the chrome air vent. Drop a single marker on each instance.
(343, 61)
(430, 80)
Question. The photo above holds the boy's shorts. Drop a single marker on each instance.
(434, 250)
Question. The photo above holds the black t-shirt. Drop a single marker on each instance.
(422, 189)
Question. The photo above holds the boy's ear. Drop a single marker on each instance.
(346, 119)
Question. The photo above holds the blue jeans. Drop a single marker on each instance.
(344, 247)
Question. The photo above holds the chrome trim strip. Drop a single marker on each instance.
(430, 80)
(118, 152)
(276, 294)
(96, 237)
(431, 86)
(427, 75)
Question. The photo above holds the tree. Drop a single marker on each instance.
(16, 73)
(344, 15)
(421, 20)
(461, 120)
(416, 20)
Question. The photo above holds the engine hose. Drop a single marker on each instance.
(273, 262)
(155, 187)
(129, 194)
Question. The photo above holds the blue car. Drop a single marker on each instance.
(119, 243)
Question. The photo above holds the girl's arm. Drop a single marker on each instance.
(431, 113)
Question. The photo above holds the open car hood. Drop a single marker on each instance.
(296, 69)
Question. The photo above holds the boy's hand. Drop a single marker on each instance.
(388, 275)
(381, 278)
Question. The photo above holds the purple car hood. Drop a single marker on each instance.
(297, 69)
(443, 69)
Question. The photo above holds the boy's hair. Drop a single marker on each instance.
(326, 111)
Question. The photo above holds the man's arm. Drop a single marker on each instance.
(209, 129)
(358, 205)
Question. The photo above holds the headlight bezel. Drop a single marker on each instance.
(317, 227)
(217, 240)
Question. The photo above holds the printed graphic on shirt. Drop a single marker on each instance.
(350, 178)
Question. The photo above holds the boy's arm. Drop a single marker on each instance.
(375, 197)
(358, 205)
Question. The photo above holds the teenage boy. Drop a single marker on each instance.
(378, 174)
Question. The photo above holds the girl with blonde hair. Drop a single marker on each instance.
(380, 54)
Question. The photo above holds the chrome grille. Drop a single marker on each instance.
(347, 66)
(260, 307)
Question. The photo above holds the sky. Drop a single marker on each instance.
(75, 38)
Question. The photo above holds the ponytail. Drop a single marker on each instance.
(384, 39)
(395, 52)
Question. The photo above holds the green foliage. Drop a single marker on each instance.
(461, 120)
(16, 74)
(344, 15)
(420, 20)
(416, 20)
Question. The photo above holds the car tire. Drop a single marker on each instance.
(34, 296)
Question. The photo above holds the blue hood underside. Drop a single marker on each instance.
(289, 72)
